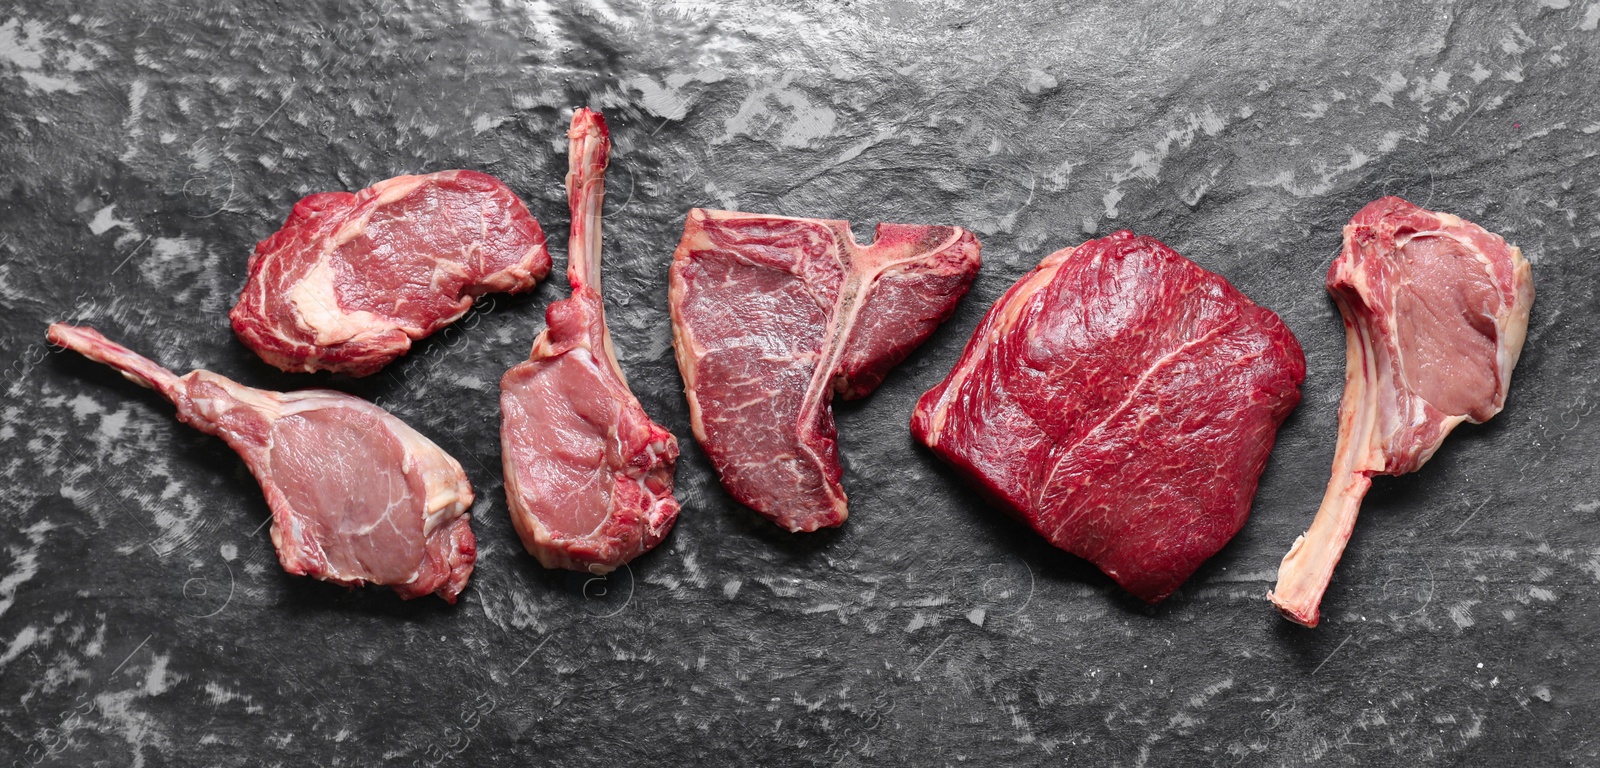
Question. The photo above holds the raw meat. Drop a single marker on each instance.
(351, 279)
(588, 474)
(771, 316)
(356, 495)
(1122, 401)
(1435, 310)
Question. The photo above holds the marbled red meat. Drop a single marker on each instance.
(1122, 401)
(772, 316)
(588, 474)
(352, 279)
(1435, 312)
(356, 495)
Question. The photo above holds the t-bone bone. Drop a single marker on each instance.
(1121, 401)
(352, 279)
(772, 316)
(357, 496)
(1435, 311)
(588, 474)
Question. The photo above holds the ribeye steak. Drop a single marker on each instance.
(351, 279)
(1435, 311)
(588, 474)
(356, 495)
(1122, 401)
(772, 316)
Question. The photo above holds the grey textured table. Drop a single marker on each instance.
(146, 146)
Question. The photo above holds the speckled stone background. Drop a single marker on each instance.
(146, 146)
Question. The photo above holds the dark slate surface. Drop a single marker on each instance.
(146, 147)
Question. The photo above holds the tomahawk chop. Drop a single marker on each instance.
(588, 474)
(352, 279)
(1122, 401)
(1435, 311)
(356, 495)
(772, 316)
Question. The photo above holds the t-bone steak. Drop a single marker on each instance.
(772, 316)
(1435, 311)
(1122, 401)
(356, 495)
(588, 474)
(351, 279)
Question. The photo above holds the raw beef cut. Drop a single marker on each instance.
(356, 495)
(588, 474)
(1435, 310)
(351, 279)
(771, 316)
(1122, 401)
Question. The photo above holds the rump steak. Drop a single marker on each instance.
(1435, 311)
(588, 474)
(1122, 401)
(351, 279)
(771, 316)
(356, 495)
